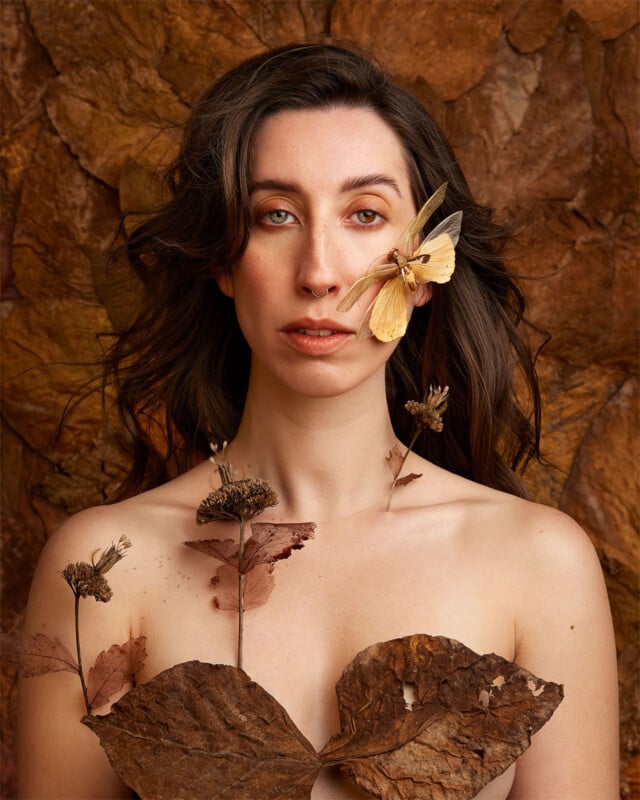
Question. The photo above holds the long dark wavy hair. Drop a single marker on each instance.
(185, 364)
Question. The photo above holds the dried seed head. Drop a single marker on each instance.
(86, 581)
(238, 500)
(111, 555)
(429, 412)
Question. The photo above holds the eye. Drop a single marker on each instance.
(367, 217)
(277, 216)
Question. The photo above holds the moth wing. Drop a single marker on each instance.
(389, 312)
(451, 226)
(434, 202)
(364, 282)
(364, 330)
(440, 247)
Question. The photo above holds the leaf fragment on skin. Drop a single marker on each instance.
(222, 549)
(36, 654)
(269, 542)
(472, 716)
(202, 731)
(114, 670)
(408, 478)
(258, 585)
(274, 541)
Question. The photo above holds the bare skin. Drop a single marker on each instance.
(451, 558)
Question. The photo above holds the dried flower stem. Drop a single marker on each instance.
(428, 414)
(241, 578)
(399, 470)
(79, 654)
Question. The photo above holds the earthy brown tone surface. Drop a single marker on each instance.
(540, 99)
(220, 722)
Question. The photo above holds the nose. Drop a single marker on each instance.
(320, 262)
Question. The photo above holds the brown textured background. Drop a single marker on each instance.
(539, 98)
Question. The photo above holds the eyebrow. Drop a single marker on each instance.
(376, 179)
(360, 182)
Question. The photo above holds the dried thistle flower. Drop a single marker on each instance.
(86, 580)
(235, 499)
(429, 412)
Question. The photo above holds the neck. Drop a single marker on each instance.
(320, 455)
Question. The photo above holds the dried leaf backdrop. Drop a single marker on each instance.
(540, 100)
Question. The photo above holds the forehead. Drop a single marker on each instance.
(327, 143)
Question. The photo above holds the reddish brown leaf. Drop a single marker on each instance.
(408, 478)
(258, 585)
(394, 459)
(271, 541)
(222, 549)
(203, 730)
(36, 654)
(425, 717)
(115, 669)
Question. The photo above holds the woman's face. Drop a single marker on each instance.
(329, 196)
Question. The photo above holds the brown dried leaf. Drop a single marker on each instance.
(394, 459)
(114, 669)
(272, 541)
(269, 542)
(222, 549)
(203, 730)
(408, 478)
(258, 585)
(36, 654)
(439, 718)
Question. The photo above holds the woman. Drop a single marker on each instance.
(299, 169)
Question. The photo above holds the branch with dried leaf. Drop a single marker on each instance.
(245, 579)
(428, 414)
(114, 669)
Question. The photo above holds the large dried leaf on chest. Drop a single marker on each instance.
(206, 731)
(425, 717)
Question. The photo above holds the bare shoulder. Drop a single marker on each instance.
(529, 534)
(149, 520)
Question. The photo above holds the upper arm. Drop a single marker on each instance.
(564, 634)
(57, 755)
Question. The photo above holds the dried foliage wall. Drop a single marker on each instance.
(539, 98)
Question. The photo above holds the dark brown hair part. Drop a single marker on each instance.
(185, 358)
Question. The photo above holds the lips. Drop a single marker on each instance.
(316, 337)
(316, 327)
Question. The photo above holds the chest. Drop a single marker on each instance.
(349, 587)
